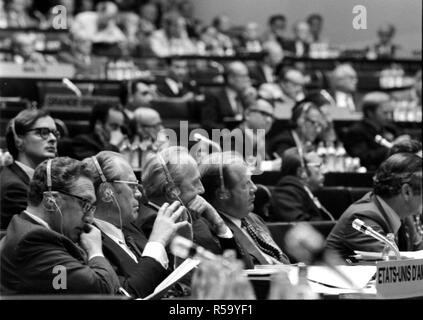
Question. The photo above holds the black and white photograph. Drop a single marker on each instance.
(210, 159)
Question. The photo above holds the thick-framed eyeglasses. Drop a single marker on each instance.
(87, 207)
(45, 132)
(134, 185)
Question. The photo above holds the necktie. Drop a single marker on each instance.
(263, 241)
(132, 246)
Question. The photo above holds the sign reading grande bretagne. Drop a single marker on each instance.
(399, 278)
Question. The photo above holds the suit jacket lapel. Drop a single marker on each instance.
(245, 243)
(19, 172)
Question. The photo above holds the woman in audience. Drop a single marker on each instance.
(31, 138)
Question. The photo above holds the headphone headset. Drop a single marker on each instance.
(222, 192)
(18, 141)
(49, 200)
(105, 189)
(172, 190)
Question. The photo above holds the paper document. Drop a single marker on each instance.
(359, 275)
(175, 276)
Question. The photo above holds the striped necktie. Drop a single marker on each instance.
(263, 241)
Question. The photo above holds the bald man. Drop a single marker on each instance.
(377, 120)
(224, 106)
(344, 85)
(264, 71)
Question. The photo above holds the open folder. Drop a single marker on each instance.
(184, 268)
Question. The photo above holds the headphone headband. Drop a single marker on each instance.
(48, 169)
(166, 170)
(97, 166)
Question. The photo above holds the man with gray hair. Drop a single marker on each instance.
(228, 187)
(370, 138)
(172, 175)
(344, 86)
(140, 263)
(225, 106)
(51, 248)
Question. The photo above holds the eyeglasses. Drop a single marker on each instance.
(155, 126)
(45, 132)
(315, 123)
(134, 185)
(87, 207)
(263, 113)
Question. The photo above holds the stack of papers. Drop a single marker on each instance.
(174, 277)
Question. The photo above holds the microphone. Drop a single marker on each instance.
(305, 244)
(184, 248)
(199, 137)
(383, 142)
(359, 225)
(71, 86)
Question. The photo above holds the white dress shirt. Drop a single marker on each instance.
(152, 249)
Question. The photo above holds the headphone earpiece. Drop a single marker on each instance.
(172, 191)
(106, 192)
(49, 202)
(223, 194)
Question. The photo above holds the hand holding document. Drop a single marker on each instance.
(183, 269)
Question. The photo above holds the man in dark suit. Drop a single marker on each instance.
(31, 137)
(292, 197)
(360, 140)
(397, 194)
(264, 72)
(300, 45)
(224, 106)
(175, 84)
(140, 263)
(105, 132)
(50, 248)
(172, 175)
(228, 187)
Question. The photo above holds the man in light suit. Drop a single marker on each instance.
(234, 200)
(50, 248)
(397, 194)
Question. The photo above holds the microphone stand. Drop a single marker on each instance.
(360, 226)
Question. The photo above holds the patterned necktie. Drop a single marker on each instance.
(262, 240)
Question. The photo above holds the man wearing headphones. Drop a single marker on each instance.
(172, 174)
(228, 187)
(292, 197)
(50, 248)
(140, 263)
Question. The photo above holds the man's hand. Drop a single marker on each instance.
(165, 226)
(201, 206)
(91, 241)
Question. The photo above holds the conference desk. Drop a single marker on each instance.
(346, 179)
